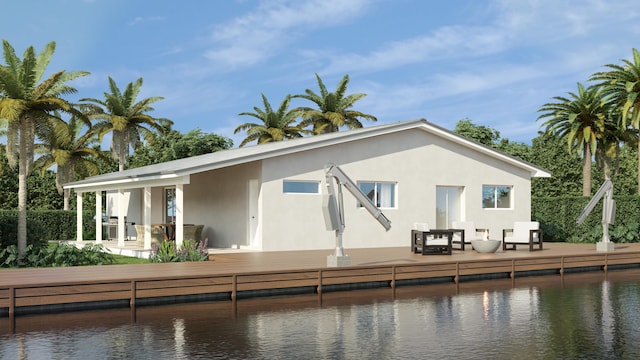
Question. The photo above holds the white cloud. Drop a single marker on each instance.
(452, 42)
(261, 34)
(515, 25)
(142, 19)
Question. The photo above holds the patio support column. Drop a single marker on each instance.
(121, 218)
(98, 217)
(79, 217)
(147, 217)
(179, 214)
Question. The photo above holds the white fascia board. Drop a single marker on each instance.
(133, 183)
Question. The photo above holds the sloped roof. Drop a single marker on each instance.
(225, 158)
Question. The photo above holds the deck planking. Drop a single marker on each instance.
(232, 273)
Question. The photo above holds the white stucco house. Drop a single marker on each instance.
(269, 197)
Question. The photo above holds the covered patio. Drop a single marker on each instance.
(150, 214)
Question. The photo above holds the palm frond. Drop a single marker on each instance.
(342, 87)
(332, 110)
(10, 84)
(144, 105)
(131, 93)
(44, 57)
(323, 89)
(27, 76)
(13, 62)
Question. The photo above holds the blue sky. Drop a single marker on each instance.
(494, 62)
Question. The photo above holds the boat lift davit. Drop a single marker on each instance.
(333, 210)
(608, 213)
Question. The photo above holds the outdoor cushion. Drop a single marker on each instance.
(521, 230)
(470, 231)
(430, 239)
(523, 233)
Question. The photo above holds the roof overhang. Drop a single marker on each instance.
(133, 183)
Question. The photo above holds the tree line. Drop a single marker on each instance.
(599, 118)
(43, 130)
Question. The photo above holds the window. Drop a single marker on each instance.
(300, 187)
(496, 197)
(382, 194)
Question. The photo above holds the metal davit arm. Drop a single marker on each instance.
(333, 207)
(608, 208)
(334, 171)
(604, 188)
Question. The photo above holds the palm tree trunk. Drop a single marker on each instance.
(639, 167)
(62, 177)
(607, 164)
(23, 163)
(122, 153)
(586, 171)
(66, 198)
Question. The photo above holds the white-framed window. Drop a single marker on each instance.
(497, 197)
(382, 194)
(300, 187)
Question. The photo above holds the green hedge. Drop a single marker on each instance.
(47, 225)
(558, 217)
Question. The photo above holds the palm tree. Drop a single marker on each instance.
(622, 85)
(275, 125)
(333, 109)
(126, 119)
(608, 151)
(581, 119)
(72, 151)
(26, 104)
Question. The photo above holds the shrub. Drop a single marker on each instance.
(56, 254)
(620, 234)
(189, 251)
(166, 252)
(625, 233)
(9, 256)
(192, 251)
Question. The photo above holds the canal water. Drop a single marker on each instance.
(575, 316)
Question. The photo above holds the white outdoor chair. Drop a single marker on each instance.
(464, 232)
(430, 242)
(523, 233)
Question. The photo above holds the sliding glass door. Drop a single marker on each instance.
(448, 205)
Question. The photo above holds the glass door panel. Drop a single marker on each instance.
(170, 205)
(448, 205)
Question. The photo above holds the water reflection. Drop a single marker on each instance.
(574, 316)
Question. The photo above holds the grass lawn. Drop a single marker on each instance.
(121, 259)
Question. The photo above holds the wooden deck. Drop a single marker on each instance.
(237, 275)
